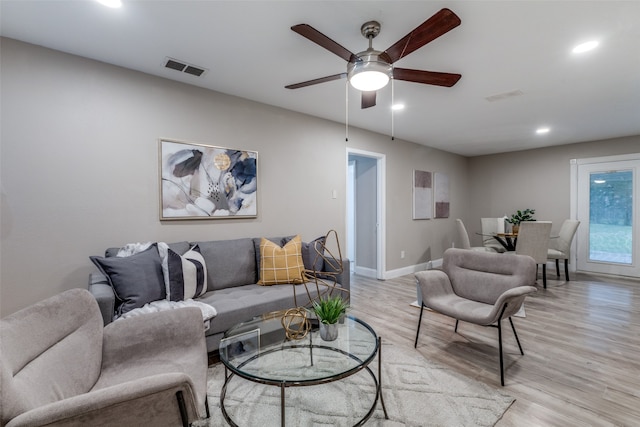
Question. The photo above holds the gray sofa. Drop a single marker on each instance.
(60, 367)
(232, 289)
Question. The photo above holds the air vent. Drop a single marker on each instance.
(194, 70)
(505, 95)
(184, 67)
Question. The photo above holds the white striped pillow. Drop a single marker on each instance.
(185, 276)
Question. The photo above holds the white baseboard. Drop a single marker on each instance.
(392, 274)
(366, 272)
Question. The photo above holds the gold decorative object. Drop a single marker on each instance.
(327, 279)
(295, 323)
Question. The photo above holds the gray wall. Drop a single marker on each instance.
(539, 179)
(79, 170)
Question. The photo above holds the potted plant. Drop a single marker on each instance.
(329, 310)
(518, 217)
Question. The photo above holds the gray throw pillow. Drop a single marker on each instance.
(136, 279)
(310, 257)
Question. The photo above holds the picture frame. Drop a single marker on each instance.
(200, 181)
(442, 199)
(422, 194)
(245, 344)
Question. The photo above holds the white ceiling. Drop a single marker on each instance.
(501, 46)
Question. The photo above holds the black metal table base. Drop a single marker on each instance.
(284, 385)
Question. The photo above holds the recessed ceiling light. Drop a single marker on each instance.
(585, 47)
(397, 107)
(111, 3)
(541, 131)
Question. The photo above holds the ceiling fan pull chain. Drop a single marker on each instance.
(393, 100)
(346, 111)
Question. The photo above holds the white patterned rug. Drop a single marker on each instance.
(416, 393)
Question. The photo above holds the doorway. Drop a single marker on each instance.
(365, 212)
(608, 239)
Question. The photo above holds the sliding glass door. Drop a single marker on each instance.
(608, 210)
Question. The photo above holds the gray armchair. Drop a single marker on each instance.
(477, 287)
(60, 367)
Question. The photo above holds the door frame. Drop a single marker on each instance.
(380, 204)
(573, 198)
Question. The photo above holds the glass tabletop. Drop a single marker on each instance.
(260, 351)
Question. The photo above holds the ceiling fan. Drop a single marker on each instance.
(371, 69)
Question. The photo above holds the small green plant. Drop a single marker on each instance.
(519, 216)
(328, 310)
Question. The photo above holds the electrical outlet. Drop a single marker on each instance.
(402, 254)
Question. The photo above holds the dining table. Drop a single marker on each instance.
(507, 240)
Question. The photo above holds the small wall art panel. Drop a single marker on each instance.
(422, 195)
(441, 195)
(199, 181)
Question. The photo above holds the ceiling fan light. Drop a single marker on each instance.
(369, 80)
(369, 74)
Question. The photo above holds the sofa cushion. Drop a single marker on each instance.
(241, 303)
(312, 253)
(281, 265)
(229, 262)
(185, 276)
(136, 279)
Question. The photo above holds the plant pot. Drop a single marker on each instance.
(515, 229)
(328, 332)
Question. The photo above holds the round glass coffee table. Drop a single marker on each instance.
(259, 351)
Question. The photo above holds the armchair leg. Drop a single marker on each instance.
(516, 335)
(456, 328)
(544, 275)
(206, 405)
(557, 267)
(566, 269)
(415, 345)
(500, 347)
(183, 409)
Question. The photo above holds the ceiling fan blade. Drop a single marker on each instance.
(368, 99)
(426, 77)
(440, 23)
(316, 81)
(320, 39)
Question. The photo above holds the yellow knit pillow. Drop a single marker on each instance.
(280, 265)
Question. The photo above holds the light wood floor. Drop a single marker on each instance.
(581, 341)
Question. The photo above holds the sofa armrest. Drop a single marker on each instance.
(103, 293)
(120, 405)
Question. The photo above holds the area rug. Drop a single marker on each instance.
(417, 392)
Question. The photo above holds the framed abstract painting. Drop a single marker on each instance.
(441, 182)
(199, 181)
(422, 195)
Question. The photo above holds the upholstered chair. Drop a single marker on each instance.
(560, 247)
(533, 240)
(489, 228)
(463, 236)
(479, 288)
(60, 367)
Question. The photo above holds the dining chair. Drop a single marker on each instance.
(533, 240)
(560, 247)
(491, 226)
(464, 238)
